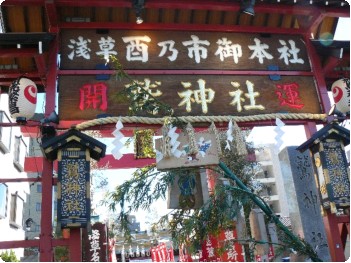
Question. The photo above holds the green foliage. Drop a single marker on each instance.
(141, 101)
(192, 226)
(186, 226)
(61, 254)
(9, 256)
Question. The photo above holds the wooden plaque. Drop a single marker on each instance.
(158, 49)
(85, 97)
(207, 155)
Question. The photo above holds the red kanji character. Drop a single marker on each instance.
(93, 95)
(288, 94)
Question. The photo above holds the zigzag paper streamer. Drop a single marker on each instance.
(169, 144)
(229, 134)
(279, 132)
(173, 141)
(116, 152)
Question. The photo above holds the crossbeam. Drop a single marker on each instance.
(34, 164)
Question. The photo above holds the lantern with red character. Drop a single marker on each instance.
(22, 99)
(341, 95)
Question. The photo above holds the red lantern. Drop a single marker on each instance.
(22, 99)
(341, 95)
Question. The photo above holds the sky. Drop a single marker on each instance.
(343, 26)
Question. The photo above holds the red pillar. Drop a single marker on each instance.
(75, 247)
(310, 129)
(45, 244)
(46, 237)
(318, 74)
(336, 247)
(330, 222)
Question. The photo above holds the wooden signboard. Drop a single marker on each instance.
(207, 155)
(95, 243)
(73, 201)
(84, 97)
(138, 49)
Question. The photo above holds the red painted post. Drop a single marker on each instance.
(310, 129)
(318, 74)
(50, 102)
(46, 237)
(330, 222)
(334, 238)
(75, 245)
(45, 245)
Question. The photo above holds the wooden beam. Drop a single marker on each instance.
(19, 244)
(319, 76)
(27, 179)
(11, 75)
(51, 12)
(41, 65)
(331, 63)
(184, 72)
(30, 243)
(35, 164)
(127, 161)
(342, 219)
(194, 5)
(18, 52)
(20, 180)
(21, 2)
(181, 27)
(106, 130)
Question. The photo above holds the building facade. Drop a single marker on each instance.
(269, 176)
(13, 195)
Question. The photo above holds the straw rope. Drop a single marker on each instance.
(194, 119)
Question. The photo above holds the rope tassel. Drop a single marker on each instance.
(193, 148)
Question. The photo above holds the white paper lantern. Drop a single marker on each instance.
(22, 99)
(341, 94)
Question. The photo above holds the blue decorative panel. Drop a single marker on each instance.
(336, 186)
(74, 193)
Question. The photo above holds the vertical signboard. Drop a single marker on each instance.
(333, 175)
(73, 188)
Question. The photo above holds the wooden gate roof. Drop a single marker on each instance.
(26, 22)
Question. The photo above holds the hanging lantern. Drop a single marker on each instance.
(327, 149)
(73, 151)
(341, 95)
(22, 99)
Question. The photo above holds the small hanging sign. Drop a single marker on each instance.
(73, 150)
(196, 149)
(143, 144)
(74, 188)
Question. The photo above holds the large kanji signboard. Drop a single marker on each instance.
(136, 49)
(212, 61)
(84, 97)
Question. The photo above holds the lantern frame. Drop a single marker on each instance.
(330, 165)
